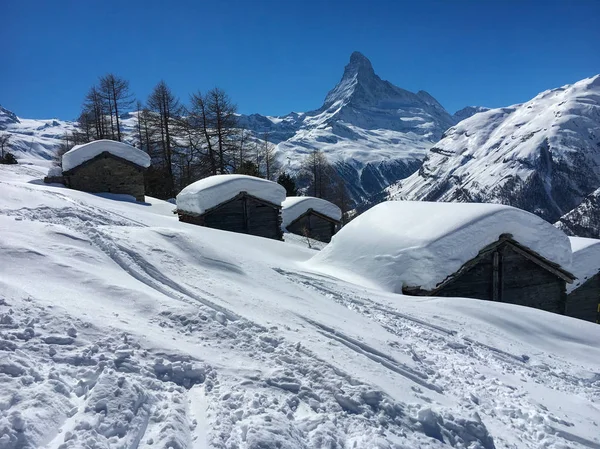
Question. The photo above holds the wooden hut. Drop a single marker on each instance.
(311, 217)
(484, 251)
(236, 203)
(106, 166)
(583, 296)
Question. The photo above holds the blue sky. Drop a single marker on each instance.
(274, 57)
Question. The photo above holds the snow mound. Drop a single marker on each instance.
(294, 206)
(419, 244)
(209, 192)
(586, 260)
(83, 153)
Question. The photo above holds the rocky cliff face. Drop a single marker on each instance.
(542, 156)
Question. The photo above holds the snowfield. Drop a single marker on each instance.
(121, 327)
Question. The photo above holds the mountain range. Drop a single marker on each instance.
(388, 143)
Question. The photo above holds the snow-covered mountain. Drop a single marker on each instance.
(33, 140)
(584, 220)
(542, 156)
(377, 132)
(121, 327)
(467, 112)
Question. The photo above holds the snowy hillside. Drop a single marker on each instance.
(584, 220)
(378, 132)
(121, 327)
(542, 156)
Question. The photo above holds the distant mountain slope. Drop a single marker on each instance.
(542, 156)
(467, 112)
(584, 220)
(33, 140)
(377, 132)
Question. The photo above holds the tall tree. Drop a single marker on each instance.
(165, 114)
(221, 111)
(200, 122)
(268, 158)
(116, 94)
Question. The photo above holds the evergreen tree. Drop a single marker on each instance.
(288, 183)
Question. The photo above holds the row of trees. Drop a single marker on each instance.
(187, 142)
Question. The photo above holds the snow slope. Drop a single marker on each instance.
(399, 244)
(121, 327)
(542, 156)
(83, 153)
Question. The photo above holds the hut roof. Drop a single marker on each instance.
(209, 192)
(80, 154)
(400, 244)
(586, 260)
(295, 206)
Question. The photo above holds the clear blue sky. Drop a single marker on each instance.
(274, 57)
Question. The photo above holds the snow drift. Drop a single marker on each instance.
(400, 244)
(122, 327)
(207, 193)
(295, 206)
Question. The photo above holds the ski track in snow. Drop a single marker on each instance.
(66, 383)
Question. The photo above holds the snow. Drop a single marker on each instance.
(400, 244)
(586, 260)
(207, 193)
(542, 155)
(294, 206)
(121, 327)
(83, 153)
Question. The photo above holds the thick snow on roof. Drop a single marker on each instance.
(586, 260)
(83, 153)
(400, 244)
(294, 206)
(214, 190)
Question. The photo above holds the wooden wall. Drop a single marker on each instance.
(507, 276)
(108, 175)
(317, 227)
(244, 214)
(584, 302)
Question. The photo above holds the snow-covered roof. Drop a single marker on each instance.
(294, 206)
(209, 192)
(586, 260)
(83, 153)
(400, 244)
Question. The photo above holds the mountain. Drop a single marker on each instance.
(376, 132)
(467, 112)
(584, 220)
(542, 156)
(33, 140)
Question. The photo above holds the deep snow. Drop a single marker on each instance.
(295, 206)
(586, 260)
(121, 327)
(83, 153)
(207, 193)
(400, 244)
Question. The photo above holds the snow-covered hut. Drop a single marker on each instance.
(583, 296)
(106, 166)
(236, 203)
(311, 217)
(485, 251)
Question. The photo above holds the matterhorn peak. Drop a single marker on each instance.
(359, 62)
